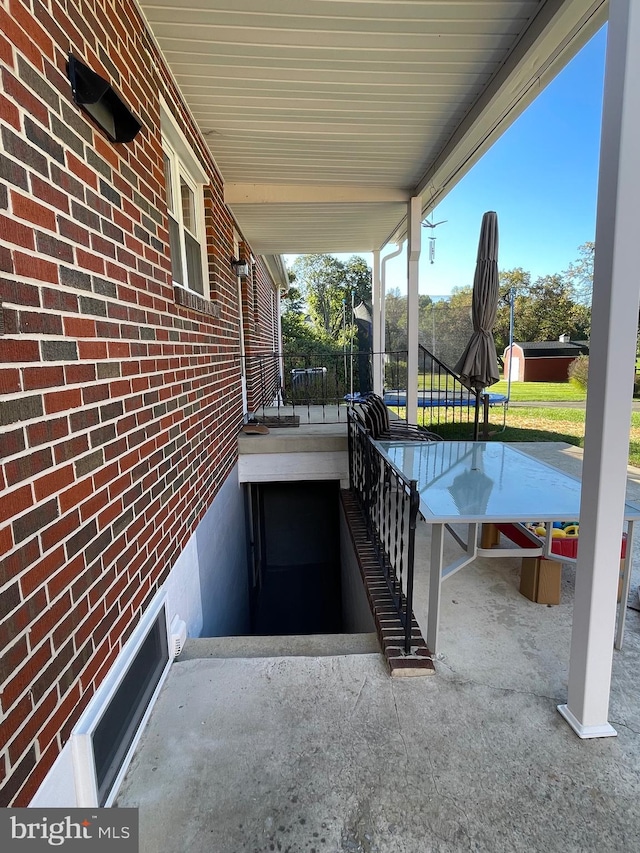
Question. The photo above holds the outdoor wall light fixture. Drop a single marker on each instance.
(97, 98)
(241, 268)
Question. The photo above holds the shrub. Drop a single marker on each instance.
(579, 371)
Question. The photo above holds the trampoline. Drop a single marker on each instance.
(435, 399)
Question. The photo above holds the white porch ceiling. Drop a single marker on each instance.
(325, 116)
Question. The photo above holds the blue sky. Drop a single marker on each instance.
(540, 177)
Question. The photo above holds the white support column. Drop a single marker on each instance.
(414, 235)
(378, 346)
(381, 318)
(611, 368)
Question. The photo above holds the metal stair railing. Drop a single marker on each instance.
(442, 396)
(389, 503)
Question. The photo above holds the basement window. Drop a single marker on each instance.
(106, 735)
(114, 733)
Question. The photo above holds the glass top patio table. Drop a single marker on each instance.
(466, 481)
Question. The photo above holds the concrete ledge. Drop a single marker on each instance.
(292, 441)
(308, 645)
(310, 452)
(388, 625)
(287, 467)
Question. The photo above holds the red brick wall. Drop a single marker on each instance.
(120, 407)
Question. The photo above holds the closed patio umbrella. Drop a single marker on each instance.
(478, 364)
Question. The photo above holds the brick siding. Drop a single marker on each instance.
(388, 624)
(121, 404)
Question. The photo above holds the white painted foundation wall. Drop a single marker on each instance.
(207, 588)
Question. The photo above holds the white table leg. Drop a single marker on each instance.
(435, 580)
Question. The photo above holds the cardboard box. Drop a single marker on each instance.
(541, 580)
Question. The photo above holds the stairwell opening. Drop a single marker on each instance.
(297, 581)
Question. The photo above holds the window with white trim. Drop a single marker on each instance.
(184, 181)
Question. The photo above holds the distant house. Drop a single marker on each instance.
(542, 361)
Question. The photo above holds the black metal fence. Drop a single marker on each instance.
(318, 386)
(389, 503)
(314, 386)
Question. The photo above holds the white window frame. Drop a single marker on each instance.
(84, 765)
(184, 164)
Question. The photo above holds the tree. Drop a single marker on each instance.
(328, 286)
(445, 325)
(578, 371)
(579, 275)
(543, 309)
(517, 278)
(395, 314)
(357, 279)
(292, 300)
(297, 335)
(516, 282)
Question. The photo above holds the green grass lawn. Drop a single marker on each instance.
(541, 424)
(521, 392)
(536, 423)
(546, 392)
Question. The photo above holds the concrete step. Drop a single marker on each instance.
(308, 645)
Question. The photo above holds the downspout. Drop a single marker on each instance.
(376, 364)
(279, 354)
(379, 328)
(414, 235)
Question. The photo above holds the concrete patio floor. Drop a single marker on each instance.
(321, 751)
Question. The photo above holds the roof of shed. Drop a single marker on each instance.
(555, 349)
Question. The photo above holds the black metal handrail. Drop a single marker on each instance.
(451, 400)
(443, 398)
(389, 503)
(462, 397)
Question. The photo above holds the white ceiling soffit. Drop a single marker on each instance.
(325, 116)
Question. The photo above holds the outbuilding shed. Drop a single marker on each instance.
(542, 361)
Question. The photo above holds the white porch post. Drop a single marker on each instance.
(611, 368)
(378, 346)
(414, 235)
